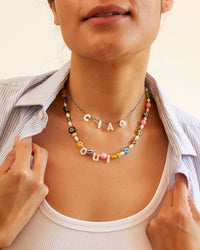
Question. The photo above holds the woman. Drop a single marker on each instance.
(107, 181)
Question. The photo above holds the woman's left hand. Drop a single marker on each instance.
(177, 226)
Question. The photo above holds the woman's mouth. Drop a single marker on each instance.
(106, 14)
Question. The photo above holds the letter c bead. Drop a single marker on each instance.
(87, 117)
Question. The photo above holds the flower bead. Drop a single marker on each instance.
(72, 130)
(139, 132)
(126, 150)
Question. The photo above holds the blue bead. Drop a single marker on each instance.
(90, 152)
(126, 150)
(65, 99)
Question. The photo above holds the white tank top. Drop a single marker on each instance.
(50, 230)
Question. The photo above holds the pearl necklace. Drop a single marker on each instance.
(122, 123)
(103, 156)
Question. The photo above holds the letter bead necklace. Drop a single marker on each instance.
(103, 156)
(110, 125)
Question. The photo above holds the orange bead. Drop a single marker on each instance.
(114, 156)
(64, 93)
(80, 144)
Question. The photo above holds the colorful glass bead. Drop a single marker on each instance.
(65, 99)
(64, 93)
(139, 132)
(126, 150)
(147, 94)
(90, 152)
(72, 130)
(146, 114)
(66, 110)
(103, 156)
(143, 122)
(80, 144)
(114, 156)
(148, 105)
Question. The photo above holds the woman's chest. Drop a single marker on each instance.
(83, 189)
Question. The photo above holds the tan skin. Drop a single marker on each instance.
(110, 61)
(108, 67)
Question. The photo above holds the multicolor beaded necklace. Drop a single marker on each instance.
(103, 156)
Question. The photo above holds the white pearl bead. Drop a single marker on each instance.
(146, 89)
(137, 137)
(148, 100)
(145, 118)
(76, 138)
(122, 153)
(141, 126)
(130, 146)
(70, 124)
(74, 134)
(65, 104)
(147, 110)
(67, 114)
(83, 151)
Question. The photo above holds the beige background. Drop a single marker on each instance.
(30, 44)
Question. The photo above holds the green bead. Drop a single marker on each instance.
(147, 94)
(139, 132)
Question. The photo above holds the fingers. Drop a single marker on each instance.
(180, 192)
(193, 209)
(168, 200)
(40, 157)
(23, 154)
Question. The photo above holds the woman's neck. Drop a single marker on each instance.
(108, 90)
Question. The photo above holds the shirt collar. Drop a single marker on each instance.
(45, 93)
(176, 135)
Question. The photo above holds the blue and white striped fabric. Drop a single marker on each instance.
(24, 101)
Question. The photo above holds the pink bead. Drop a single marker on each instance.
(143, 122)
(148, 105)
(103, 156)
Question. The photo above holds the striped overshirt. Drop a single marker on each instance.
(25, 100)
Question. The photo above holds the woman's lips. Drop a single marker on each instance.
(106, 14)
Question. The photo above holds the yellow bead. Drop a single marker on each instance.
(114, 156)
(80, 144)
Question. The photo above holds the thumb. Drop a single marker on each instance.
(193, 209)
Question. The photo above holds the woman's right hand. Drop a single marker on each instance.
(22, 188)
